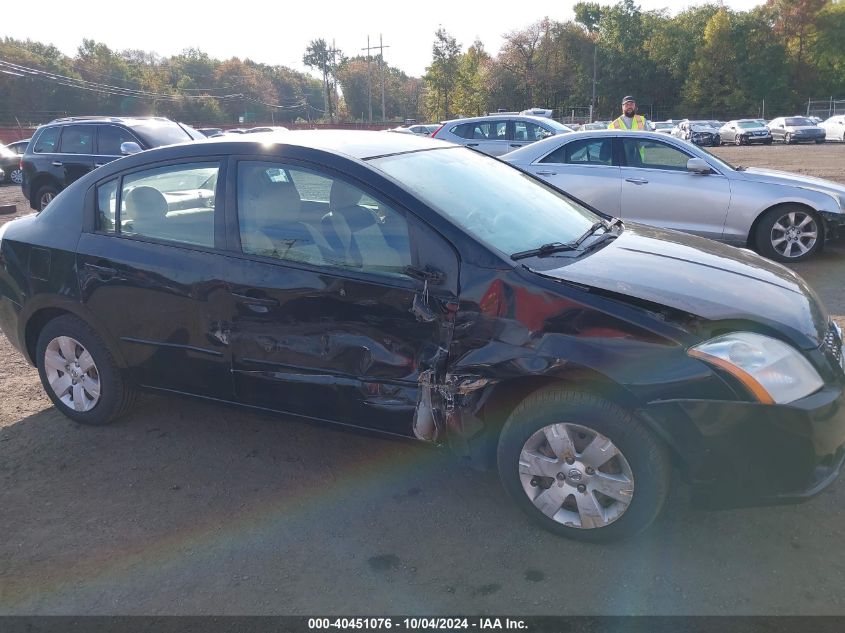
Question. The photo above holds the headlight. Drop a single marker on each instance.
(776, 373)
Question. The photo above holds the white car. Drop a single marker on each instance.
(834, 128)
(499, 134)
(666, 182)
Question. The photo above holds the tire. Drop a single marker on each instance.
(642, 466)
(820, 141)
(44, 196)
(101, 390)
(787, 139)
(737, 140)
(768, 141)
(768, 239)
(16, 176)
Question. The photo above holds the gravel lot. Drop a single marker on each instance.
(188, 508)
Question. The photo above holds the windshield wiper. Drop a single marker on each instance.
(545, 249)
(589, 232)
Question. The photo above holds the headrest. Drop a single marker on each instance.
(344, 195)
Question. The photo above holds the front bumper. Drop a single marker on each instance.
(738, 454)
(834, 224)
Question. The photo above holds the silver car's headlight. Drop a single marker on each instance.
(776, 373)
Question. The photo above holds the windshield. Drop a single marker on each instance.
(496, 203)
(798, 121)
(158, 133)
(745, 125)
(720, 162)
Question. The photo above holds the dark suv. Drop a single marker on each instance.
(66, 149)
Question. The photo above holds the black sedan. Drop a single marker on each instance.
(420, 289)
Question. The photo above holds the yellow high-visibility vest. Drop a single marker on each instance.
(637, 124)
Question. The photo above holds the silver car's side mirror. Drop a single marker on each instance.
(698, 166)
(130, 147)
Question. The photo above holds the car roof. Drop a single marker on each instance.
(507, 117)
(353, 143)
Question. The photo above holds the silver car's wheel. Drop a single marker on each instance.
(794, 234)
(16, 176)
(72, 373)
(576, 476)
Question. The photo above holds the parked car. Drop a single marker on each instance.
(834, 128)
(10, 165)
(498, 134)
(210, 131)
(18, 147)
(698, 132)
(796, 129)
(745, 132)
(595, 125)
(662, 181)
(418, 289)
(423, 129)
(663, 127)
(268, 128)
(66, 149)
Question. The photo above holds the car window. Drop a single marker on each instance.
(586, 151)
(318, 219)
(174, 203)
(109, 139)
(77, 139)
(491, 200)
(107, 206)
(653, 155)
(48, 140)
(527, 131)
(157, 133)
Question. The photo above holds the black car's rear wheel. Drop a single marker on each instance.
(79, 373)
(582, 467)
(16, 176)
(789, 234)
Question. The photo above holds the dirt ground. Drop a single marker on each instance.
(191, 508)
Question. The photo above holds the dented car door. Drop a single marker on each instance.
(341, 304)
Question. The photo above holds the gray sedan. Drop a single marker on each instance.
(663, 181)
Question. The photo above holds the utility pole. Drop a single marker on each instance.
(593, 100)
(332, 86)
(381, 48)
(369, 82)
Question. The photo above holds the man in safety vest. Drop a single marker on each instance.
(630, 120)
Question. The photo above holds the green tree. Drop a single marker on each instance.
(320, 56)
(443, 74)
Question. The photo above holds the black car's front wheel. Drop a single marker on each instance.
(79, 373)
(581, 466)
(789, 234)
(16, 176)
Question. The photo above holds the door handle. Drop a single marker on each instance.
(472, 144)
(547, 173)
(258, 304)
(637, 181)
(103, 271)
(57, 163)
(516, 145)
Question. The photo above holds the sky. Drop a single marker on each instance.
(278, 33)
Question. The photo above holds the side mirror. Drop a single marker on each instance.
(130, 147)
(698, 166)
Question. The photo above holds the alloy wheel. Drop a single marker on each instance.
(16, 176)
(794, 234)
(72, 373)
(46, 198)
(576, 476)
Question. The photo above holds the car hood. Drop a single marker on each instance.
(775, 177)
(701, 277)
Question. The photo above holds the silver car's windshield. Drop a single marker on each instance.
(746, 125)
(798, 122)
(496, 203)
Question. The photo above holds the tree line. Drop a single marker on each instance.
(704, 61)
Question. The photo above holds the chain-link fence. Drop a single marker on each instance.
(825, 108)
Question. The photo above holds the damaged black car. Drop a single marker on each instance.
(416, 288)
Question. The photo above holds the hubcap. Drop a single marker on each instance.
(794, 234)
(576, 476)
(17, 176)
(46, 199)
(72, 374)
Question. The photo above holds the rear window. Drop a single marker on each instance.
(157, 133)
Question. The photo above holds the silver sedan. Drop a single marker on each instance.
(667, 182)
